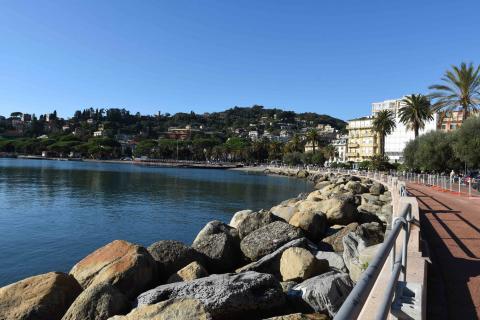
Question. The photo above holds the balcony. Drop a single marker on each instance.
(352, 154)
(353, 145)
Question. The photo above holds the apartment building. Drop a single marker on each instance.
(451, 120)
(340, 144)
(362, 139)
(398, 139)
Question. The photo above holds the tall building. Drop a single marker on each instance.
(398, 139)
(362, 140)
(451, 120)
(340, 144)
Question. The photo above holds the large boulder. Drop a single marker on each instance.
(98, 302)
(356, 187)
(314, 224)
(335, 260)
(322, 184)
(299, 264)
(43, 297)
(302, 173)
(353, 244)
(172, 256)
(377, 188)
(238, 217)
(220, 243)
(254, 221)
(267, 239)
(316, 196)
(284, 212)
(191, 272)
(340, 209)
(215, 227)
(371, 233)
(224, 296)
(271, 262)
(129, 267)
(173, 309)
(335, 240)
(323, 293)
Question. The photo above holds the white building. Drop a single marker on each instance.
(340, 144)
(398, 139)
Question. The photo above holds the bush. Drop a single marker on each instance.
(467, 142)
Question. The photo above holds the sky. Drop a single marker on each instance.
(329, 57)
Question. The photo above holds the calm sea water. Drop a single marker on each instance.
(53, 213)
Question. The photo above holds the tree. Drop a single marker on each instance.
(416, 112)
(383, 125)
(461, 89)
(467, 143)
(312, 136)
(294, 145)
(329, 152)
(275, 150)
(431, 152)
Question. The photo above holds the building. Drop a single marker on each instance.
(451, 120)
(181, 133)
(99, 133)
(362, 139)
(340, 144)
(398, 139)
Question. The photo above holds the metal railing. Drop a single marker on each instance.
(355, 301)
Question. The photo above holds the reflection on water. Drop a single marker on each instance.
(53, 213)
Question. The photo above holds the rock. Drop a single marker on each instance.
(287, 285)
(271, 262)
(173, 309)
(339, 209)
(129, 267)
(284, 212)
(172, 256)
(367, 254)
(377, 188)
(335, 240)
(238, 217)
(353, 244)
(43, 297)
(322, 184)
(300, 264)
(224, 296)
(323, 293)
(215, 227)
(302, 174)
(356, 187)
(267, 239)
(220, 243)
(254, 221)
(316, 196)
(221, 250)
(335, 260)
(369, 208)
(191, 272)
(301, 316)
(314, 224)
(371, 233)
(98, 302)
(386, 197)
(371, 199)
(341, 180)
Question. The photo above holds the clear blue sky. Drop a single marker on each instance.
(333, 57)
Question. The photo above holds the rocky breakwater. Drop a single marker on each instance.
(298, 260)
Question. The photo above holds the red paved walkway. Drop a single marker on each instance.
(451, 226)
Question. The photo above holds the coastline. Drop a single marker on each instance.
(297, 245)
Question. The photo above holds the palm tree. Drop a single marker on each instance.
(461, 89)
(312, 136)
(275, 150)
(383, 124)
(329, 152)
(294, 145)
(416, 112)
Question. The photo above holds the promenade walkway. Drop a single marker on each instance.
(451, 226)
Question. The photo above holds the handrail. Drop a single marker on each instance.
(353, 305)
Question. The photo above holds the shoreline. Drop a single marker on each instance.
(153, 163)
(296, 246)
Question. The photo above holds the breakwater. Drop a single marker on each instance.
(301, 256)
